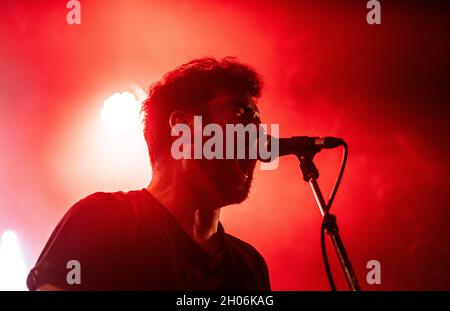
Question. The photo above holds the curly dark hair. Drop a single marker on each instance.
(188, 88)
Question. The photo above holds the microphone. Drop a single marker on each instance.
(300, 145)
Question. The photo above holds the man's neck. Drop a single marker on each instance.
(198, 220)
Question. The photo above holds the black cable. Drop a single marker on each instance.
(324, 255)
(326, 216)
(339, 178)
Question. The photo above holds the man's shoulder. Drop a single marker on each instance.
(255, 261)
(103, 206)
(245, 249)
(100, 201)
(110, 199)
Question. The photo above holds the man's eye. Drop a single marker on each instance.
(240, 112)
(247, 114)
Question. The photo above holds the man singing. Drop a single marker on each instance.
(167, 236)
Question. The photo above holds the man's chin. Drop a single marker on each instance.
(236, 194)
(238, 198)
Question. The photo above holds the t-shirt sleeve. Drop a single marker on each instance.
(264, 275)
(257, 266)
(261, 270)
(83, 249)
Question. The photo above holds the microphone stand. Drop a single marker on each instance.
(310, 175)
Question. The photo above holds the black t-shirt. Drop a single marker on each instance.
(129, 241)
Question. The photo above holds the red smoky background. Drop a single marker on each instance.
(383, 88)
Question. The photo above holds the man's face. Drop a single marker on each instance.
(229, 179)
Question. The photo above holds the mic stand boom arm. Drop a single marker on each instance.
(310, 175)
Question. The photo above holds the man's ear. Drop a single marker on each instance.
(179, 117)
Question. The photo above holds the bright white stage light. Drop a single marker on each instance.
(13, 270)
(121, 111)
